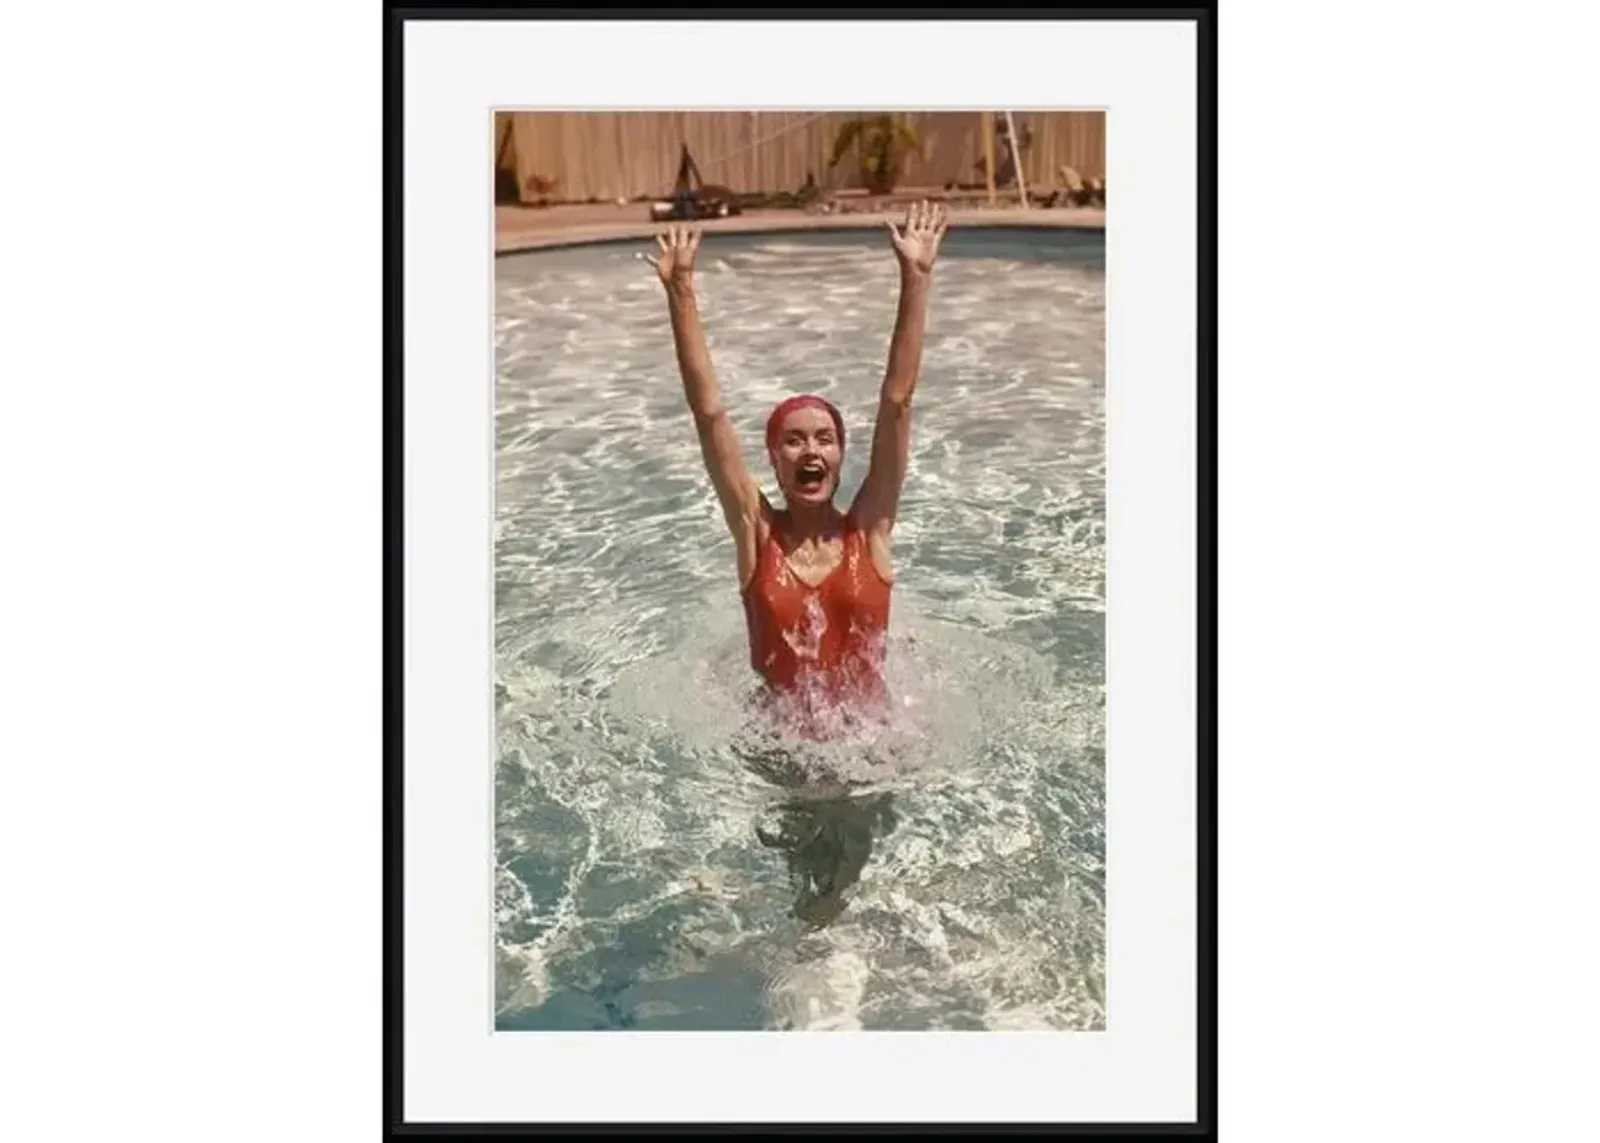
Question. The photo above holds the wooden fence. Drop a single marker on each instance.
(607, 155)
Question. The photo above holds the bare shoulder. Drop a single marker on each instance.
(765, 513)
(751, 535)
(748, 509)
(880, 550)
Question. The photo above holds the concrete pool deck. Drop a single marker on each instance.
(519, 228)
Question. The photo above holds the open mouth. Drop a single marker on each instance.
(811, 475)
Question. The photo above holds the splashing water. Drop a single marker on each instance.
(660, 862)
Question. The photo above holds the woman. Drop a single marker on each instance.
(815, 581)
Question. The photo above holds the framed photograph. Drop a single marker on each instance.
(800, 603)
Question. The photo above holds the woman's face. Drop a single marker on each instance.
(806, 457)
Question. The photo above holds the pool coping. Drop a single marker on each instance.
(558, 237)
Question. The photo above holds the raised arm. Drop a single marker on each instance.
(737, 492)
(916, 245)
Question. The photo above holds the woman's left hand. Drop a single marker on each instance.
(916, 240)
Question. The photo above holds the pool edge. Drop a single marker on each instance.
(641, 231)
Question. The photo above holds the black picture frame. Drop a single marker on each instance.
(1204, 1126)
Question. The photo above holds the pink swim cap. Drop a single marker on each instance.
(804, 401)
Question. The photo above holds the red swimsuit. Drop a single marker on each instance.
(820, 648)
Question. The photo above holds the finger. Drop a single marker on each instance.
(655, 263)
(694, 242)
(661, 241)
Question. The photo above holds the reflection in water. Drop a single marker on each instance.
(828, 841)
(826, 825)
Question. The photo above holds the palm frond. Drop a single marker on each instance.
(849, 132)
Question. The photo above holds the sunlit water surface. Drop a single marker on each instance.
(650, 872)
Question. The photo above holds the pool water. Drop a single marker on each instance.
(652, 872)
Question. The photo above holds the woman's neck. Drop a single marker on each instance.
(811, 521)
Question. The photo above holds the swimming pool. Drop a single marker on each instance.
(648, 875)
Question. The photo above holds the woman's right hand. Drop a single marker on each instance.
(676, 262)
